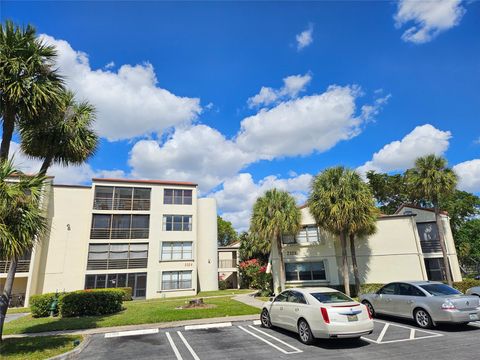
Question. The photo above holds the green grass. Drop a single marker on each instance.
(36, 348)
(18, 310)
(136, 312)
(227, 292)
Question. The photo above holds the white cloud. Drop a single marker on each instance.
(401, 154)
(429, 17)
(238, 194)
(129, 101)
(305, 38)
(468, 175)
(198, 153)
(292, 86)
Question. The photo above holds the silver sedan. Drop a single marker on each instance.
(427, 302)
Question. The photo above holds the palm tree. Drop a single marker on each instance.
(66, 136)
(429, 180)
(275, 214)
(28, 81)
(22, 221)
(342, 204)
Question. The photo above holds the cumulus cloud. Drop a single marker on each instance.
(401, 154)
(129, 101)
(292, 86)
(238, 194)
(305, 38)
(429, 18)
(468, 175)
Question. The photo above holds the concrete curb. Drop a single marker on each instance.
(75, 351)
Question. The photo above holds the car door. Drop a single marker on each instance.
(277, 315)
(408, 297)
(294, 309)
(383, 299)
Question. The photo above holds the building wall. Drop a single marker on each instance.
(207, 246)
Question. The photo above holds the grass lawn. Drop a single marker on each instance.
(136, 312)
(18, 310)
(37, 348)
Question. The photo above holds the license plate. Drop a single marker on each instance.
(473, 317)
(352, 317)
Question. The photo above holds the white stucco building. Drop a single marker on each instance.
(154, 236)
(405, 247)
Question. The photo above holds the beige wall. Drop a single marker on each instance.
(207, 245)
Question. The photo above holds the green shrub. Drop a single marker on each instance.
(40, 304)
(91, 302)
(369, 288)
(127, 293)
(222, 285)
(466, 284)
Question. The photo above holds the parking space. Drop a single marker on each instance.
(247, 340)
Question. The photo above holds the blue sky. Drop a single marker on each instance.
(175, 86)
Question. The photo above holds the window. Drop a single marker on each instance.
(117, 256)
(305, 271)
(121, 198)
(308, 234)
(177, 196)
(440, 289)
(120, 226)
(429, 238)
(331, 297)
(137, 281)
(296, 297)
(173, 280)
(177, 222)
(177, 251)
(388, 289)
(282, 297)
(408, 290)
(435, 269)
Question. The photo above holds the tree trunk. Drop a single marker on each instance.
(7, 291)
(346, 277)
(46, 164)
(282, 262)
(443, 245)
(7, 133)
(354, 264)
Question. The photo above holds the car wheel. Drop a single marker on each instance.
(305, 333)
(370, 308)
(423, 318)
(265, 319)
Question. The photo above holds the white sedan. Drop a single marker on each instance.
(317, 313)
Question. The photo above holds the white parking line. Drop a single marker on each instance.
(131, 333)
(268, 342)
(195, 356)
(273, 337)
(475, 323)
(208, 326)
(411, 337)
(382, 333)
(257, 322)
(174, 347)
(412, 334)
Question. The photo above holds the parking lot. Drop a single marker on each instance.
(391, 339)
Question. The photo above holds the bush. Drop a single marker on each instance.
(254, 275)
(40, 304)
(127, 293)
(369, 288)
(91, 302)
(222, 285)
(466, 284)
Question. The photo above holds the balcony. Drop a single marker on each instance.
(109, 264)
(227, 263)
(23, 266)
(131, 233)
(430, 246)
(121, 204)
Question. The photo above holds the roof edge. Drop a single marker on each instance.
(140, 181)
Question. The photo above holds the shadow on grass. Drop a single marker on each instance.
(23, 348)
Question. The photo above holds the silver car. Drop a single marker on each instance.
(427, 302)
(474, 291)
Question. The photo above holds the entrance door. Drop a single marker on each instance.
(138, 283)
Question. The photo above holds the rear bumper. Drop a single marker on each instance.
(344, 330)
(457, 316)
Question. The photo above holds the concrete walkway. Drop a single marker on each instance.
(11, 317)
(249, 299)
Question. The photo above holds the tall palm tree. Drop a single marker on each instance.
(28, 81)
(22, 221)
(275, 214)
(66, 136)
(342, 204)
(429, 180)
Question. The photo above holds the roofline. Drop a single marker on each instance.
(72, 186)
(138, 181)
(419, 208)
(394, 216)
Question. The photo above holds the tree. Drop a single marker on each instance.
(275, 214)
(461, 207)
(22, 221)
(28, 82)
(343, 205)
(226, 232)
(429, 180)
(252, 247)
(390, 191)
(468, 242)
(66, 136)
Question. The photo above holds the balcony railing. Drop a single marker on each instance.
(133, 233)
(108, 264)
(227, 263)
(121, 204)
(431, 246)
(23, 266)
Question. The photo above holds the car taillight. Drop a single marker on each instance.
(325, 315)
(369, 314)
(447, 305)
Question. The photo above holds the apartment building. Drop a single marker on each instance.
(228, 261)
(156, 237)
(406, 246)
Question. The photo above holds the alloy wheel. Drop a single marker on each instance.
(265, 319)
(304, 332)
(422, 318)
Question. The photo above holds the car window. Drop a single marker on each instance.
(282, 297)
(331, 297)
(407, 290)
(388, 289)
(440, 289)
(296, 297)
(416, 292)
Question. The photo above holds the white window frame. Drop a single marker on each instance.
(191, 258)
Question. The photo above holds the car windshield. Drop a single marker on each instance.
(331, 297)
(440, 289)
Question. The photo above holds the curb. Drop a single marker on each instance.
(75, 351)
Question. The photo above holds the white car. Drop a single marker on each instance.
(317, 313)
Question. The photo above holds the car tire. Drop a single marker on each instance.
(422, 318)
(305, 333)
(265, 319)
(370, 308)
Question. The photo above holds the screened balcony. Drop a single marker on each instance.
(121, 198)
(120, 226)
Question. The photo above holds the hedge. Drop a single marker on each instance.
(91, 302)
(462, 286)
(40, 304)
(369, 288)
(127, 292)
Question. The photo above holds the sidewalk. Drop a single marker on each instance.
(249, 299)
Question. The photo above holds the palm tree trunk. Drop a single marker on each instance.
(354, 264)
(441, 236)
(346, 277)
(7, 291)
(282, 262)
(7, 133)
(46, 164)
